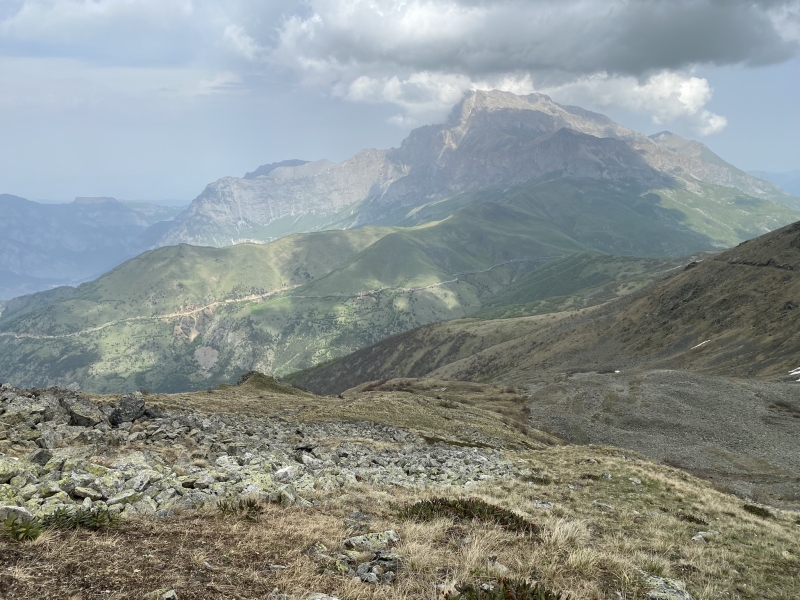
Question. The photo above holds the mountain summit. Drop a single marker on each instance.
(491, 139)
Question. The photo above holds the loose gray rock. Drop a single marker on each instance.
(129, 408)
(370, 542)
(662, 588)
(22, 515)
(83, 413)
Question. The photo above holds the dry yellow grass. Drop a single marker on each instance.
(585, 550)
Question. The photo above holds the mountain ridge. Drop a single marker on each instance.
(438, 161)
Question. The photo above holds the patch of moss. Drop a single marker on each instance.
(468, 509)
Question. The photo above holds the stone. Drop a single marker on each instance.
(83, 413)
(39, 457)
(129, 408)
(661, 588)
(21, 514)
(124, 497)
(87, 492)
(370, 542)
(204, 481)
(543, 505)
(602, 505)
(9, 468)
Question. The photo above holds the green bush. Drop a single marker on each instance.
(505, 589)
(758, 511)
(21, 531)
(93, 518)
(468, 509)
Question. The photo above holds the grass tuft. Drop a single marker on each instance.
(468, 509)
(758, 511)
(505, 589)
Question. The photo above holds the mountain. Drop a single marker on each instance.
(47, 245)
(265, 170)
(787, 180)
(688, 370)
(491, 140)
(735, 314)
(506, 202)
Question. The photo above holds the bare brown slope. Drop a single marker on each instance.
(737, 314)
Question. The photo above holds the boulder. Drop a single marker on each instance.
(8, 469)
(372, 542)
(39, 457)
(129, 408)
(22, 515)
(82, 412)
(662, 588)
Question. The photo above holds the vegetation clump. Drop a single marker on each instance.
(691, 519)
(468, 509)
(62, 518)
(93, 518)
(21, 531)
(505, 589)
(247, 508)
(758, 511)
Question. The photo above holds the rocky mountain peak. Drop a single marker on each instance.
(265, 170)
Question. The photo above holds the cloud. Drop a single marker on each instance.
(667, 97)
(421, 55)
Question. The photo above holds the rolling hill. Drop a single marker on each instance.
(507, 186)
(734, 314)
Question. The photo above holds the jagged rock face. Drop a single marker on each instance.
(491, 139)
(232, 209)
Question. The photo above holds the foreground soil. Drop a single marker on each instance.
(604, 516)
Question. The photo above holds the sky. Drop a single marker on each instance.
(154, 99)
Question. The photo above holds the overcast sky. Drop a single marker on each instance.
(153, 99)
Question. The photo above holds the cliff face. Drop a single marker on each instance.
(491, 139)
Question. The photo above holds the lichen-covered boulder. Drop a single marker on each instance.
(372, 542)
(129, 408)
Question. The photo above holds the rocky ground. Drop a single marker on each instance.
(141, 459)
(264, 491)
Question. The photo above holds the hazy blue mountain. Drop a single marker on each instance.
(787, 180)
(491, 139)
(47, 245)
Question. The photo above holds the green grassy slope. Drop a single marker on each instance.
(188, 317)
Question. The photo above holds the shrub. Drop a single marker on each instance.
(468, 509)
(758, 511)
(505, 589)
(21, 531)
(80, 518)
(247, 508)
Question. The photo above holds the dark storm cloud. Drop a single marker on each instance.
(569, 36)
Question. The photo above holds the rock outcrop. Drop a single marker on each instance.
(59, 449)
(491, 139)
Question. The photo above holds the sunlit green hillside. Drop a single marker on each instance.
(188, 317)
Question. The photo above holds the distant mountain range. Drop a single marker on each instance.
(491, 140)
(46, 245)
(515, 206)
(787, 180)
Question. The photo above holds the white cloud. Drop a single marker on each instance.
(667, 97)
(421, 55)
(242, 43)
